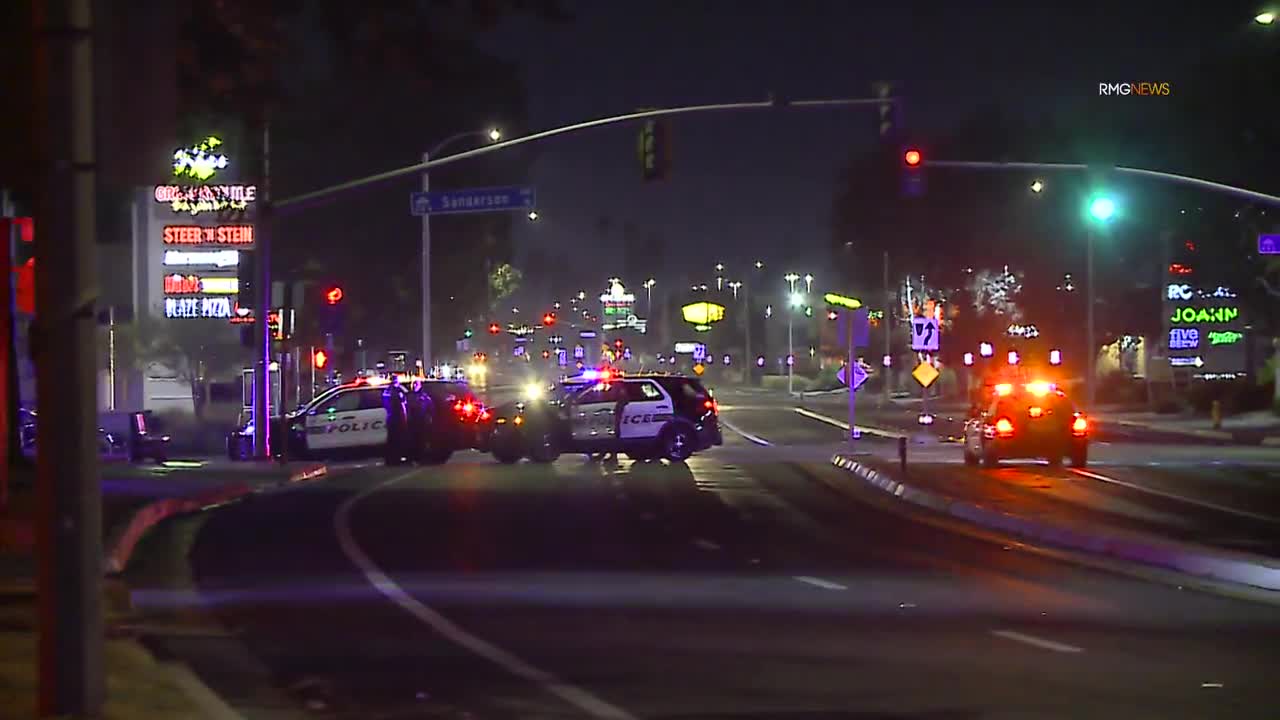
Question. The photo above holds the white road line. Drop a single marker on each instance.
(1037, 642)
(819, 582)
(844, 425)
(1180, 498)
(706, 544)
(571, 694)
(753, 438)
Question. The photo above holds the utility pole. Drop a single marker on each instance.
(887, 319)
(426, 274)
(748, 362)
(69, 500)
(1091, 350)
(262, 305)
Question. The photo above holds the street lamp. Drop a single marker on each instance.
(734, 287)
(648, 296)
(808, 283)
(791, 279)
(1037, 186)
(759, 264)
(1265, 18)
(1101, 210)
(493, 134)
(794, 301)
(533, 215)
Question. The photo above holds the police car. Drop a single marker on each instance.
(1025, 420)
(647, 416)
(350, 420)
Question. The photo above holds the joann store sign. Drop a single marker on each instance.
(1205, 330)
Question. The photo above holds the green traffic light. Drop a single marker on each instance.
(467, 334)
(1102, 208)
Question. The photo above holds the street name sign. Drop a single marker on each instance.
(448, 202)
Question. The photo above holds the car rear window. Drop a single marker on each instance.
(446, 391)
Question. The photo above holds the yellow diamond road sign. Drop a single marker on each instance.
(698, 369)
(925, 374)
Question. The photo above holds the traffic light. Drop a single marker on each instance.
(549, 319)
(546, 354)
(912, 171)
(654, 149)
(467, 333)
(333, 295)
(333, 309)
(320, 359)
(617, 344)
(494, 328)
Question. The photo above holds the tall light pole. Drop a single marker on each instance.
(719, 276)
(1101, 210)
(493, 135)
(793, 302)
(791, 279)
(648, 296)
(808, 283)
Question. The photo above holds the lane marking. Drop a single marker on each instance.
(844, 425)
(1037, 642)
(753, 438)
(1180, 498)
(819, 582)
(573, 695)
(706, 544)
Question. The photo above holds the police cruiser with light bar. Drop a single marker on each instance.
(647, 416)
(350, 420)
(1025, 420)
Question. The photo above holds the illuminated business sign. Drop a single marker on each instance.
(1184, 339)
(1216, 315)
(202, 162)
(702, 313)
(617, 301)
(199, 161)
(1023, 331)
(1225, 337)
(1196, 361)
(214, 258)
(1182, 291)
(195, 285)
(198, 307)
(197, 235)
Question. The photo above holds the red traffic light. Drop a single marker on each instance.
(912, 158)
(334, 295)
(549, 319)
(617, 344)
(321, 358)
(494, 329)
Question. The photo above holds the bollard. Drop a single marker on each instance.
(902, 454)
(1215, 412)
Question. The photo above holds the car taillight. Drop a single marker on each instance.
(1004, 427)
(1079, 426)
(484, 415)
(457, 407)
(712, 406)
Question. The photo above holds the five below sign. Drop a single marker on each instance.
(471, 200)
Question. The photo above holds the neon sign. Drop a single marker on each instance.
(216, 258)
(1184, 339)
(194, 285)
(1217, 315)
(1024, 331)
(195, 199)
(1180, 269)
(199, 161)
(1179, 291)
(220, 235)
(217, 307)
(1225, 337)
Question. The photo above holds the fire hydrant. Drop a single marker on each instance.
(1215, 412)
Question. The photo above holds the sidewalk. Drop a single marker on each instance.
(134, 499)
(1046, 518)
(1253, 428)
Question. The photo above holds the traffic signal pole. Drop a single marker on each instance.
(69, 497)
(262, 308)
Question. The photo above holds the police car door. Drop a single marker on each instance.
(370, 426)
(592, 413)
(325, 422)
(647, 409)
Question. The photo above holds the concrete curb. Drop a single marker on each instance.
(126, 535)
(1225, 566)
(1190, 432)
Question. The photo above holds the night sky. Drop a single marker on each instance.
(760, 182)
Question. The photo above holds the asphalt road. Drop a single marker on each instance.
(733, 586)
